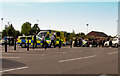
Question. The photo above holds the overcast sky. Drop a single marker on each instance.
(64, 16)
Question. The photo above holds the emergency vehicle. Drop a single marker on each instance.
(59, 35)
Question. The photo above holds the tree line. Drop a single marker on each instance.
(26, 29)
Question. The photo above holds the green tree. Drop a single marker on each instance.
(67, 35)
(34, 29)
(17, 34)
(73, 32)
(26, 27)
(82, 33)
(10, 30)
(4, 33)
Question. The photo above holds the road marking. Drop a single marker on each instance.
(57, 52)
(38, 49)
(7, 53)
(64, 52)
(65, 47)
(113, 53)
(14, 69)
(76, 51)
(77, 58)
(10, 57)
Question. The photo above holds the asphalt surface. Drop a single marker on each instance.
(76, 60)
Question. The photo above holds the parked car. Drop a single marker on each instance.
(2, 41)
(119, 42)
(22, 40)
(115, 42)
(106, 44)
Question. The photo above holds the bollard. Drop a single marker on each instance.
(33, 44)
(28, 46)
(59, 44)
(45, 45)
(5, 45)
(71, 44)
(15, 45)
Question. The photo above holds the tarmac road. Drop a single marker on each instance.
(77, 60)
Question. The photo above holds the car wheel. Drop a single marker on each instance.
(106, 45)
(23, 45)
(116, 45)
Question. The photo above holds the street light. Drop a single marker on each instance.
(1, 23)
(87, 27)
(1, 27)
(8, 23)
(37, 21)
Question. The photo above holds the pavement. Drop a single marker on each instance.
(76, 60)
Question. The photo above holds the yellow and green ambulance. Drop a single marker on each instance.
(59, 35)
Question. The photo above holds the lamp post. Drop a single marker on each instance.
(1, 23)
(37, 21)
(1, 27)
(9, 23)
(8, 34)
(87, 27)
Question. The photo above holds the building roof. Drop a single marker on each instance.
(98, 34)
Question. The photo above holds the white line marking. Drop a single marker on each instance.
(64, 52)
(38, 49)
(76, 51)
(14, 69)
(10, 57)
(7, 53)
(77, 58)
(89, 56)
(113, 53)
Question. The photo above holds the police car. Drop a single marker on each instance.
(23, 40)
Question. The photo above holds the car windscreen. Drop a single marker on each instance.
(22, 37)
(115, 39)
(119, 39)
(30, 38)
(41, 34)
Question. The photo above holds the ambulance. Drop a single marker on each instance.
(59, 35)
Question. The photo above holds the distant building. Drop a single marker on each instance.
(97, 35)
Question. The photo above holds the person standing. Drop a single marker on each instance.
(60, 43)
(93, 43)
(100, 44)
(52, 40)
(103, 43)
(34, 42)
(110, 43)
(80, 42)
(71, 43)
(43, 40)
(75, 42)
(97, 43)
(88, 43)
